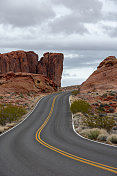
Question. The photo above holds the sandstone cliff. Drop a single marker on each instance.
(104, 78)
(18, 61)
(51, 65)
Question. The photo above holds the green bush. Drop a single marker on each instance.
(75, 92)
(80, 106)
(11, 113)
(104, 122)
(21, 95)
(93, 134)
(101, 108)
(104, 95)
(111, 110)
(28, 93)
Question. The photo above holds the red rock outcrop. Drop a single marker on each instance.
(18, 61)
(104, 78)
(25, 83)
(51, 65)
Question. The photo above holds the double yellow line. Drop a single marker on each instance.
(69, 155)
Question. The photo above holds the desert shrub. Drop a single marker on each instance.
(111, 110)
(112, 138)
(84, 132)
(21, 95)
(75, 92)
(11, 113)
(104, 122)
(101, 108)
(106, 105)
(80, 106)
(102, 137)
(104, 95)
(91, 133)
(28, 93)
(112, 94)
(95, 104)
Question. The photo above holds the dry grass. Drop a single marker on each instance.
(112, 138)
(93, 133)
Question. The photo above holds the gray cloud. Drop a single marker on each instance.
(81, 11)
(25, 12)
(57, 43)
(68, 24)
(68, 82)
(113, 1)
(111, 31)
(81, 5)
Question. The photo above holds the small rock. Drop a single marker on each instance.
(1, 129)
(114, 128)
(6, 128)
(79, 129)
(10, 125)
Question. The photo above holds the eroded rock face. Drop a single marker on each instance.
(108, 62)
(104, 78)
(51, 65)
(25, 83)
(18, 61)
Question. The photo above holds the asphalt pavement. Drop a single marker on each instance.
(46, 145)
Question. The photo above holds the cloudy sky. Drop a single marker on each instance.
(84, 30)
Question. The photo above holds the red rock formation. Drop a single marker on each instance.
(18, 61)
(25, 83)
(51, 65)
(104, 78)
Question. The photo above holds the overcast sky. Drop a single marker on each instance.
(85, 31)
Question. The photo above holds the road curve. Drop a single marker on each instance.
(46, 145)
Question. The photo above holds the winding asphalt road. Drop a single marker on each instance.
(46, 145)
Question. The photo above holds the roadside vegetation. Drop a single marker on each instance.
(76, 92)
(10, 113)
(100, 135)
(93, 124)
(80, 106)
(94, 133)
(95, 121)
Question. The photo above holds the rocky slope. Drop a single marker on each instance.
(25, 83)
(104, 78)
(51, 65)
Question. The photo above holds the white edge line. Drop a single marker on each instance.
(23, 119)
(87, 138)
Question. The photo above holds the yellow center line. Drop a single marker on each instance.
(62, 152)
